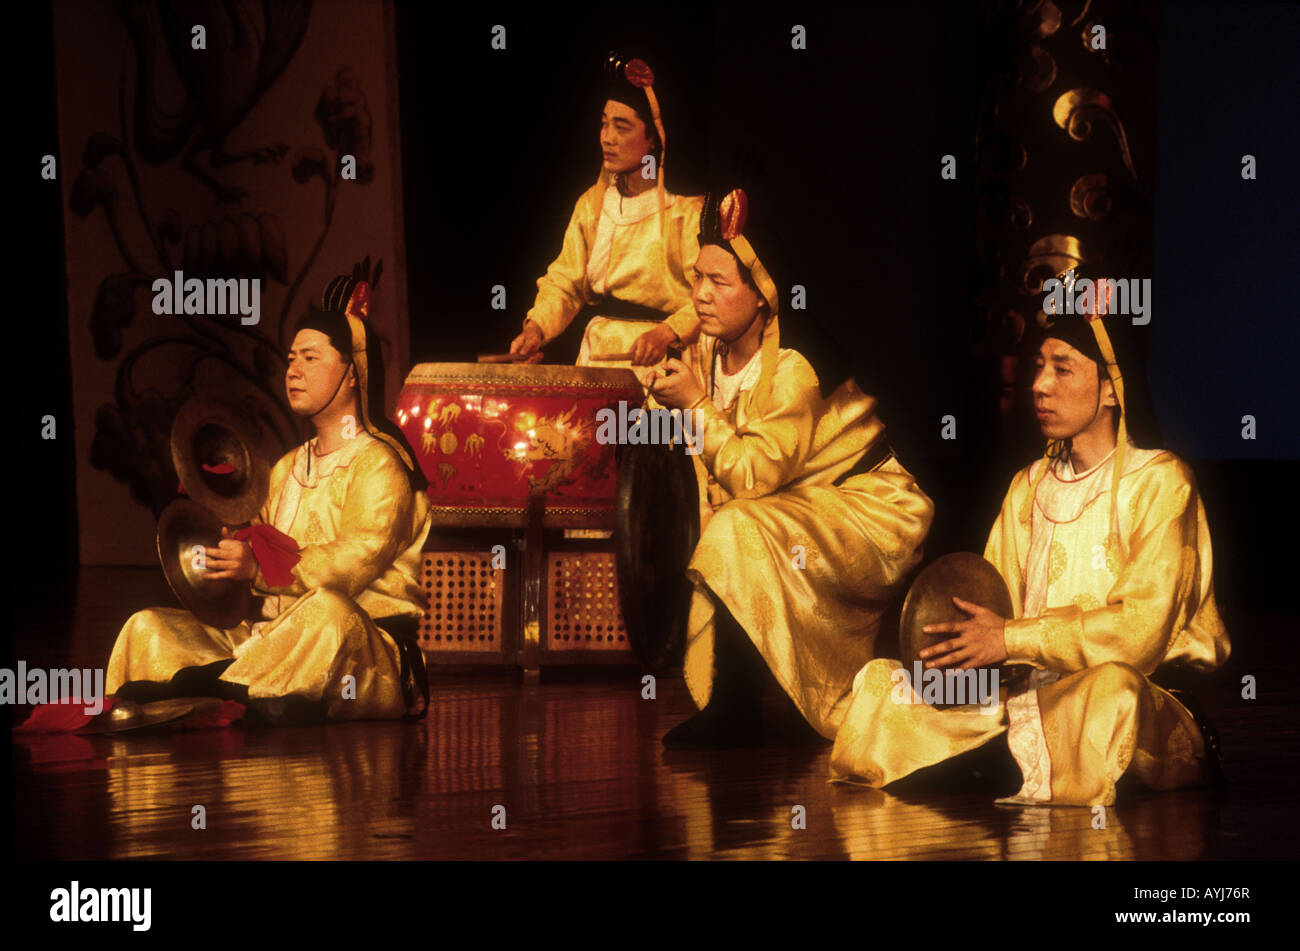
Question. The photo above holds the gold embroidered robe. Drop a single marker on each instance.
(613, 247)
(360, 529)
(768, 503)
(1094, 620)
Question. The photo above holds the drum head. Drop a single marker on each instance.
(929, 600)
(656, 529)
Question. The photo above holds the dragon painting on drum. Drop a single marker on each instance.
(490, 436)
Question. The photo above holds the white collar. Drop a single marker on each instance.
(727, 387)
(1062, 495)
(309, 469)
(1066, 466)
(622, 210)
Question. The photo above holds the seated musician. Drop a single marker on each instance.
(812, 523)
(1106, 553)
(343, 525)
(628, 247)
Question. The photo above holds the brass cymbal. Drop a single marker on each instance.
(929, 600)
(128, 715)
(215, 448)
(185, 525)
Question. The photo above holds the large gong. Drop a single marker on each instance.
(656, 528)
(220, 452)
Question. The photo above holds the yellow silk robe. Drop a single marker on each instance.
(1093, 619)
(806, 567)
(614, 247)
(360, 529)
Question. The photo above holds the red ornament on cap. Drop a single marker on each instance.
(359, 303)
(732, 212)
(639, 73)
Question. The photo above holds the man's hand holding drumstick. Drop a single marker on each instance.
(653, 345)
(672, 383)
(527, 347)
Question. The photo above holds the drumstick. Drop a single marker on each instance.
(673, 352)
(604, 357)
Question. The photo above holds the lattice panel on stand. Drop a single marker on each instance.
(582, 610)
(464, 602)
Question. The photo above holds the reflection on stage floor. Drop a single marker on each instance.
(573, 770)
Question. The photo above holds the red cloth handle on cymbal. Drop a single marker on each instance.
(276, 553)
(221, 468)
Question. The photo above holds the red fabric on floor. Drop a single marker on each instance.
(64, 717)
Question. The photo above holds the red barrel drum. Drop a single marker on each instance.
(489, 436)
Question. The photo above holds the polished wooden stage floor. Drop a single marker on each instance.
(581, 774)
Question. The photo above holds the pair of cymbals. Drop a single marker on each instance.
(215, 448)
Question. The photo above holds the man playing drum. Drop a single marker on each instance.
(629, 245)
